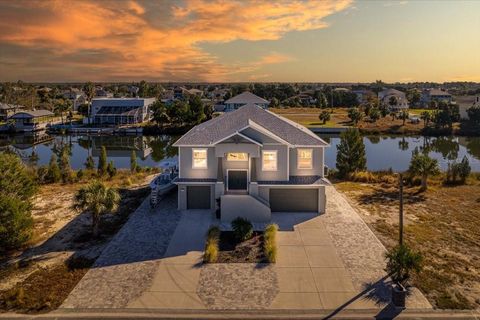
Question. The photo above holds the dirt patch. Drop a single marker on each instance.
(61, 233)
(249, 251)
(442, 223)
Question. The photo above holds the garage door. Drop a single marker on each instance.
(294, 200)
(198, 197)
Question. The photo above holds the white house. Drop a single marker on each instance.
(118, 111)
(255, 162)
(243, 99)
(385, 97)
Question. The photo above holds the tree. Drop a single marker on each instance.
(102, 162)
(133, 162)
(89, 90)
(426, 116)
(355, 115)
(474, 116)
(402, 262)
(89, 163)
(274, 103)
(111, 170)
(324, 116)
(64, 165)
(53, 172)
(424, 166)
(374, 114)
(350, 153)
(17, 187)
(61, 107)
(160, 113)
(393, 102)
(403, 116)
(197, 109)
(97, 199)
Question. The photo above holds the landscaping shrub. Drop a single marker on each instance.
(211, 246)
(402, 261)
(242, 229)
(270, 242)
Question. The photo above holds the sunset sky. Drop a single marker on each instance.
(222, 41)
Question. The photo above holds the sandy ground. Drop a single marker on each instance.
(59, 232)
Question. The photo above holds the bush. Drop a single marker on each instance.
(270, 242)
(111, 170)
(402, 262)
(211, 246)
(53, 173)
(242, 229)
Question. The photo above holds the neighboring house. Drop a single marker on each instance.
(8, 110)
(76, 97)
(436, 95)
(243, 99)
(385, 96)
(32, 120)
(305, 99)
(364, 96)
(255, 161)
(119, 111)
(102, 93)
(466, 102)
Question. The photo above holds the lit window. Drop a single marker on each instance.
(237, 156)
(269, 160)
(199, 158)
(304, 159)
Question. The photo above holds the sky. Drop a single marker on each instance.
(239, 41)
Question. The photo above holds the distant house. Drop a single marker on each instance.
(102, 93)
(243, 99)
(436, 95)
(466, 102)
(256, 162)
(76, 96)
(363, 95)
(7, 110)
(386, 96)
(35, 120)
(118, 111)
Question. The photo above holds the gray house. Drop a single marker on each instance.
(245, 98)
(121, 111)
(255, 161)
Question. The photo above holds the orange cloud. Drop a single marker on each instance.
(154, 40)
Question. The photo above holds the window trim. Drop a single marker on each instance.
(236, 160)
(276, 160)
(193, 158)
(298, 159)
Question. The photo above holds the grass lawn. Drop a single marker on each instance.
(442, 223)
(40, 277)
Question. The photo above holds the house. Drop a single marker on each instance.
(363, 96)
(385, 97)
(76, 96)
(243, 99)
(7, 110)
(255, 162)
(466, 102)
(119, 111)
(435, 95)
(27, 121)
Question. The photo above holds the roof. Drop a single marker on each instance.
(119, 111)
(437, 92)
(6, 106)
(34, 113)
(246, 97)
(388, 92)
(250, 115)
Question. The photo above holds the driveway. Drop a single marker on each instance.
(327, 262)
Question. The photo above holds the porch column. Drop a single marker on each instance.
(219, 186)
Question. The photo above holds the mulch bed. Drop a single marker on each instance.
(249, 251)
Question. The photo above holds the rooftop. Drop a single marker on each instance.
(250, 115)
(33, 113)
(246, 97)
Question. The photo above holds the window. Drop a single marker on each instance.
(237, 156)
(304, 159)
(269, 160)
(199, 158)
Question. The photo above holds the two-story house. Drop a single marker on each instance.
(255, 162)
(245, 98)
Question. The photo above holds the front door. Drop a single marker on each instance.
(237, 179)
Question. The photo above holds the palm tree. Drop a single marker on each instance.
(62, 106)
(426, 117)
(424, 166)
(97, 199)
(402, 262)
(89, 90)
(404, 116)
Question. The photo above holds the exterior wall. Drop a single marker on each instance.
(282, 164)
(182, 196)
(317, 165)
(185, 164)
(250, 148)
(245, 206)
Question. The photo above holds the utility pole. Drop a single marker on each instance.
(401, 212)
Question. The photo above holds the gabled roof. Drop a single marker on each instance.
(438, 92)
(249, 116)
(246, 97)
(33, 113)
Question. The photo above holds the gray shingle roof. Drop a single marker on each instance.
(216, 129)
(246, 97)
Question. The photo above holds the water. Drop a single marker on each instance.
(383, 152)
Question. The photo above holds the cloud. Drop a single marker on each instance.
(127, 40)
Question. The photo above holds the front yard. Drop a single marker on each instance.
(442, 223)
